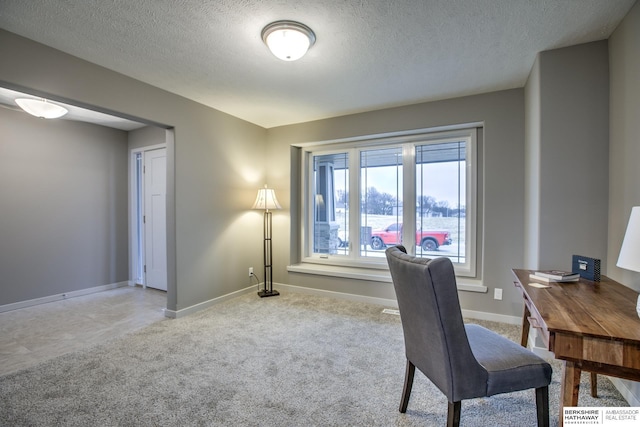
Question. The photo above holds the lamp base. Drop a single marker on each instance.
(266, 293)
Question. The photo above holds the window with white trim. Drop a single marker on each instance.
(417, 189)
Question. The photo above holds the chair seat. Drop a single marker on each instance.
(510, 366)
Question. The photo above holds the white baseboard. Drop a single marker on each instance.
(387, 302)
(59, 297)
(340, 295)
(176, 314)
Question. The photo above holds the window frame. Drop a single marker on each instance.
(408, 141)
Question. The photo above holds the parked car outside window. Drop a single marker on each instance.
(429, 240)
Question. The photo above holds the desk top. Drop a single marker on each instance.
(605, 309)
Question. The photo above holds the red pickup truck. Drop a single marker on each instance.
(392, 235)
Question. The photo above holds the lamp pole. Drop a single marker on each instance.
(267, 200)
(268, 271)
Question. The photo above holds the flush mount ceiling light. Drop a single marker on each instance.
(288, 40)
(41, 108)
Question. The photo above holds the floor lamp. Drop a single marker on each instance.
(267, 200)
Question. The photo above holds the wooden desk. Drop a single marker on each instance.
(591, 326)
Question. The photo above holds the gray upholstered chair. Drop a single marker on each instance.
(463, 361)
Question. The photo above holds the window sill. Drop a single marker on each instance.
(372, 275)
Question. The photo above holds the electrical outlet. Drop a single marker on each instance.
(497, 294)
(250, 271)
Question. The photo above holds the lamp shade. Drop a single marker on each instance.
(266, 199)
(630, 252)
(41, 108)
(288, 40)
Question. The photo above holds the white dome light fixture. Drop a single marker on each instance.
(288, 40)
(41, 108)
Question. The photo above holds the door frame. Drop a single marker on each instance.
(136, 232)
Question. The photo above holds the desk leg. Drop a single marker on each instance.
(524, 337)
(570, 386)
(594, 384)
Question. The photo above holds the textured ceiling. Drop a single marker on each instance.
(369, 54)
(75, 113)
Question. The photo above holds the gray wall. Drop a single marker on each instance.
(146, 136)
(215, 166)
(567, 156)
(503, 184)
(624, 173)
(219, 161)
(63, 221)
(532, 168)
(624, 155)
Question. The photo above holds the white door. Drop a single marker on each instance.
(155, 218)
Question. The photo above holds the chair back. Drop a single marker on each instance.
(434, 333)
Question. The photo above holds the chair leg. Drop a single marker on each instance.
(408, 384)
(453, 414)
(542, 406)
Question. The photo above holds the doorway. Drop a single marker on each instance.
(148, 213)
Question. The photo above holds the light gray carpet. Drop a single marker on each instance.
(291, 360)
